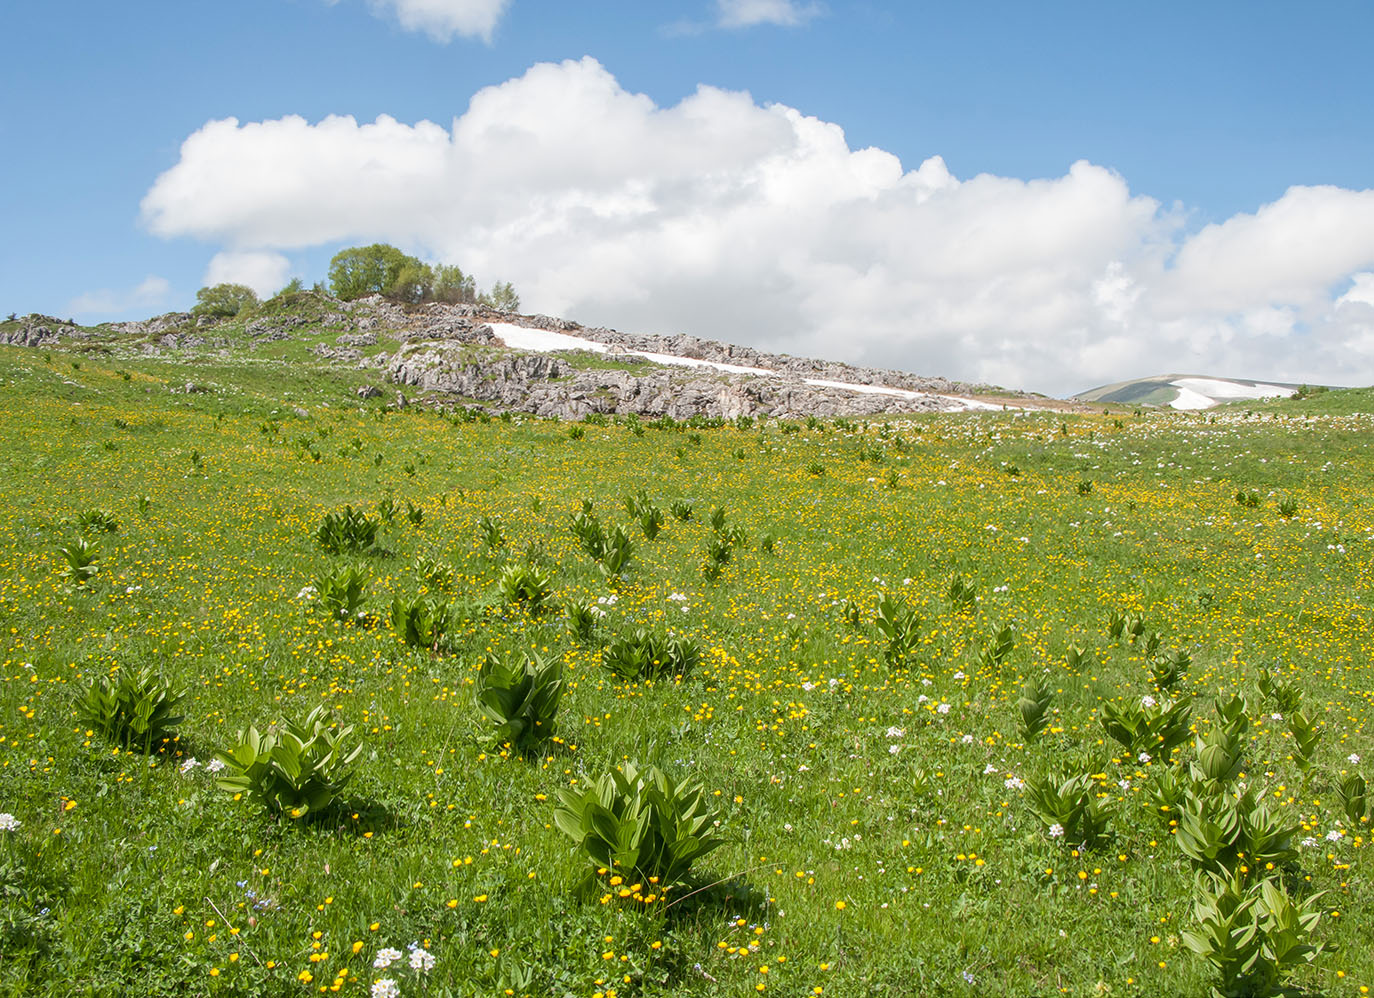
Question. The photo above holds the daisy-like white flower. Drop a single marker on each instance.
(385, 988)
(421, 959)
(214, 765)
(386, 957)
(9, 822)
(1056, 831)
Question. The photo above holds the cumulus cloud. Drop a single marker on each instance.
(747, 13)
(442, 20)
(265, 273)
(151, 292)
(760, 225)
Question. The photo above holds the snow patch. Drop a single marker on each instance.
(541, 340)
(1203, 393)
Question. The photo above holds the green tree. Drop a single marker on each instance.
(501, 296)
(367, 270)
(295, 287)
(452, 286)
(413, 283)
(224, 300)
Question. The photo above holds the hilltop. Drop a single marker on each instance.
(473, 353)
(1188, 391)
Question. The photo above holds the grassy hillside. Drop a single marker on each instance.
(876, 795)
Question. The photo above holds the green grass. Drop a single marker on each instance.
(849, 867)
(587, 360)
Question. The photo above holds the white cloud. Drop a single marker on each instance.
(151, 292)
(265, 273)
(760, 225)
(1361, 291)
(747, 13)
(442, 20)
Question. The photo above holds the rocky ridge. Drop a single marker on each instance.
(453, 353)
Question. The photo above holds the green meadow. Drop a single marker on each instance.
(989, 703)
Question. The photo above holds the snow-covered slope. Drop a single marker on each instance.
(1184, 391)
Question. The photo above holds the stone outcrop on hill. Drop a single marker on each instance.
(453, 353)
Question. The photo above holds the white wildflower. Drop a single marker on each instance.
(189, 765)
(8, 822)
(214, 765)
(386, 957)
(1056, 831)
(1353, 758)
(1148, 701)
(385, 988)
(1334, 835)
(989, 769)
(1014, 783)
(895, 732)
(1143, 758)
(421, 959)
(942, 709)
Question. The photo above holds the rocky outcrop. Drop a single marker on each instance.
(451, 350)
(549, 386)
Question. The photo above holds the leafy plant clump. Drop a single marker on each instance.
(349, 532)
(526, 585)
(97, 521)
(81, 557)
(900, 626)
(1070, 809)
(293, 769)
(1253, 936)
(420, 622)
(1153, 727)
(640, 824)
(646, 654)
(340, 592)
(520, 698)
(135, 710)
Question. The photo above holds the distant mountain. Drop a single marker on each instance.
(1186, 391)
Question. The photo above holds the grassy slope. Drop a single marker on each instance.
(786, 722)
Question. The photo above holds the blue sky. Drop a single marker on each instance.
(1184, 116)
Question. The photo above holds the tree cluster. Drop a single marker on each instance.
(378, 269)
(384, 270)
(224, 301)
